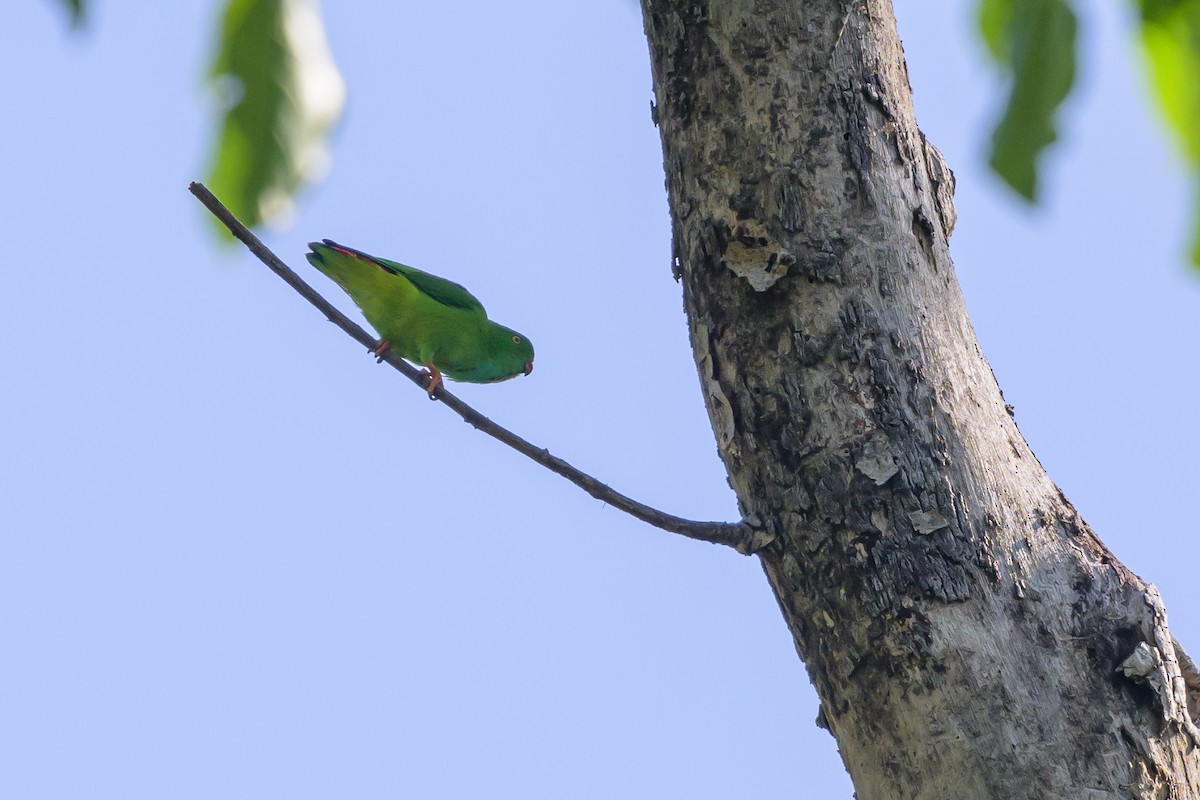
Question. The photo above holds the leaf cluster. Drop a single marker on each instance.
(1034, 43)
(279, 93)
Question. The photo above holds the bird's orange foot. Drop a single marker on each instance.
(380, 349)
(435, 379)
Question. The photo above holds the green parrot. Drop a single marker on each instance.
(425, 319)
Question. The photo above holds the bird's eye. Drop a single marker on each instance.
(516, 339)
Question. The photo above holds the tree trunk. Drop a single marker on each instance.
(968, 634)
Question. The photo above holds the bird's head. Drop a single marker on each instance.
(512, 353)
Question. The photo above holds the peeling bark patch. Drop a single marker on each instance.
(926, 522)
(941, 179)
(877, 461)
(1142, 680)
(719, 409)
(747, 255)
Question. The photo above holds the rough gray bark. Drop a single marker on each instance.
(968, 634)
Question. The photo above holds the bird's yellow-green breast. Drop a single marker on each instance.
(427, 319)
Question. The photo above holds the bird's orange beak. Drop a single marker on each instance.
(529, 367)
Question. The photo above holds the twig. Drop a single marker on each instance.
(741, 536)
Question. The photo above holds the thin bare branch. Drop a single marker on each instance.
(741, 536)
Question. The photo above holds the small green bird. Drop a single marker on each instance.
(425, 319)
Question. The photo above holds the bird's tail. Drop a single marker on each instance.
(322, 253)
(361, 276)
(337, 261)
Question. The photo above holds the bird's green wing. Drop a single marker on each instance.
(445, 292)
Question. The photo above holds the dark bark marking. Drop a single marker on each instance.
(923, 230)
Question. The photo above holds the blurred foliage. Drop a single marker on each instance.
(279, 94)
(75, 9)
(1171, 42)
(1033, 41)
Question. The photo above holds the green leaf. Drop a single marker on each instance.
(995, 17)
(281, 94)
(1034, 42)
(1171, 41)
(1196, 231)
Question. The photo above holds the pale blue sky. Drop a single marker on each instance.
(239, 560)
